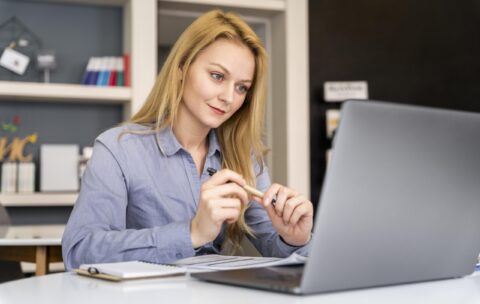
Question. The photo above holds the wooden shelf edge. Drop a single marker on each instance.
(63, 92)
(38, 199)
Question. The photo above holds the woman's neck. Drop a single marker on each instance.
(192, 137)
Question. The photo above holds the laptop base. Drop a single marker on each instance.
(285, 279)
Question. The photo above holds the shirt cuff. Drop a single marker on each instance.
(287, 249)
(173, 241)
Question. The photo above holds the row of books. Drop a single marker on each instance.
(18, 177)
(107, 71)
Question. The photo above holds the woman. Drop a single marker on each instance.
(146, 193)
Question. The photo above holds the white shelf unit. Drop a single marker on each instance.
(38, 199)
(139, 40)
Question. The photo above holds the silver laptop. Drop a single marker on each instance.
(400, 204)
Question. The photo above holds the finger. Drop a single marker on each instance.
(305, 209)
(224, 176)
(257, 199)
(270, 194)
(282, 196)
(272, 213)
(290, 206)
(226, 214)
(224, 203)
(227, 190)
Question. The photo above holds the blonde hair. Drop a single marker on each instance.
(239, 136)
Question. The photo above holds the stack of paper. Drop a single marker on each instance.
(225, 262)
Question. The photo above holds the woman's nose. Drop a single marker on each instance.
(227, 93)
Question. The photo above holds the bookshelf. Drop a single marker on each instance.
(285, 27)
(139, 41)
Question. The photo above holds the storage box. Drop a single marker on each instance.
(59, 167)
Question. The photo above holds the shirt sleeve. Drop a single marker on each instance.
(96, 231)
(266, 240)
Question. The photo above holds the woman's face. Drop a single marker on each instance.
(217, 82)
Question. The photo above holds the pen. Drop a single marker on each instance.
(249, 189)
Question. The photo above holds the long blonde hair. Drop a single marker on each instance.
(239, 136)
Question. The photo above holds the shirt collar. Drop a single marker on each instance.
(213, 145)
(169, 144)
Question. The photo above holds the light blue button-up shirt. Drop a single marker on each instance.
(136, 203)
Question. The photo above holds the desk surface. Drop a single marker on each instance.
(72, 288)
(31, 235)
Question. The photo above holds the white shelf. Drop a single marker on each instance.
(38, 199)
(64, 92)
(269, 5)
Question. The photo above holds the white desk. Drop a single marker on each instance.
(40, 244)
(71, 288)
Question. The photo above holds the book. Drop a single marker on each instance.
(9, 177)
(26, 177)
(96, 65)
(87, 75)
(120, 271)
(120, 73)
(102, 78)
(112, 76)
(126, 70)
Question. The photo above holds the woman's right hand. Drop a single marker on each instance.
(221, 199)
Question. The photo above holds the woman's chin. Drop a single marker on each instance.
(213, 124)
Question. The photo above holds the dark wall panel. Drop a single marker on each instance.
(59, 123)
(416, 52)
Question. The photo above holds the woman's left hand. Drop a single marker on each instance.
(291, 215)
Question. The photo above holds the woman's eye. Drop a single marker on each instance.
(216, 76)
(242, 89)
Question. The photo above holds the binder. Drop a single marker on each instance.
(121, 271)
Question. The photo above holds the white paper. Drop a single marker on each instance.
(225, 262)
(14, 61)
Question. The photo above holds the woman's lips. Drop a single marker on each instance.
(217, 110)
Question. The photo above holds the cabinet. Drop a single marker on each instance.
(150, 25)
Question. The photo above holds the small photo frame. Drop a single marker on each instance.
(332, 120)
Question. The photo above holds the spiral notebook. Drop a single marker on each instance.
(129, 270)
